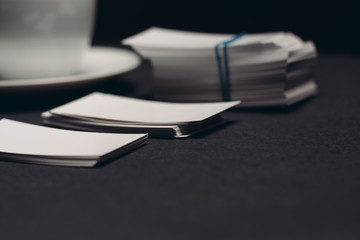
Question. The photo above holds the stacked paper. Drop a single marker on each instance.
(265, 69)
(112, 113)
(28, 143)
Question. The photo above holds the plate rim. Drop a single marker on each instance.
(86, 77)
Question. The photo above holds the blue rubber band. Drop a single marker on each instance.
(220, 70)
(225, 76)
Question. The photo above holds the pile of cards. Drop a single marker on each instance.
(264, 69)
(112, 113)
(112, 125)
(28, 143)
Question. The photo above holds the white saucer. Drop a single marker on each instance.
(99, 63)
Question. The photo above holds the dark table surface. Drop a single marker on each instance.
(288, 173)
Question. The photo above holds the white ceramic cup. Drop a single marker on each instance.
(44, 38)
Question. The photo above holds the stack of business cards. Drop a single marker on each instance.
(23, 142)
(112, 113)
(265, 69)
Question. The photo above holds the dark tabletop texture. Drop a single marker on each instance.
(278, 173)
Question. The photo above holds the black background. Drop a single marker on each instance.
(332, 25)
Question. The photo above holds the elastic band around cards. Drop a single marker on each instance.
(224, 76)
